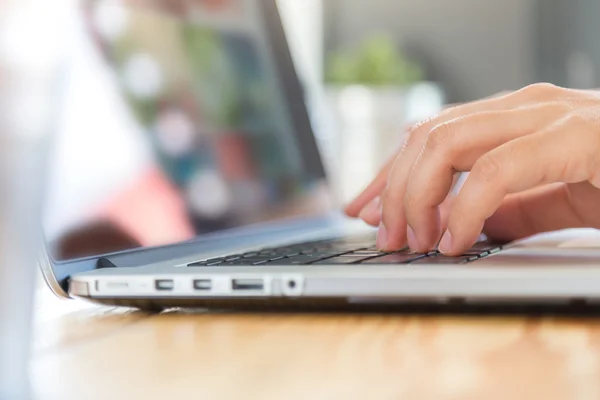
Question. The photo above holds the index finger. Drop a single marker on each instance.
(377, 186)
(393, 230)
(541, 158)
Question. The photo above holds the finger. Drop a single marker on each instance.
(541, 158)
(376, 187)
(584, 199)
(456, 146)
(392, 232)
(542, 209)
(371, 214)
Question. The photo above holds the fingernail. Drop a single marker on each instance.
(413, 242)
(446, 243)
(382, 237)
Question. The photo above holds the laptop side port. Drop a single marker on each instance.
(292, 285)
(164, 284)
(247, 284)
(202, 284)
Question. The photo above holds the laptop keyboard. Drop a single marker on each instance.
(350, 250)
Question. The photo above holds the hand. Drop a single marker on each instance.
(534, 162)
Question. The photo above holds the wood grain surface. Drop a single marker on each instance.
(85, 351)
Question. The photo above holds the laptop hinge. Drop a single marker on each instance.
(104, 262)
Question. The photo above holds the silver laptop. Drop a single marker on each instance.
(186, 173)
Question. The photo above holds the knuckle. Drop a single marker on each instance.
(576, 119)
(585, 124)
(440, 138)
(488, 168)
(560, 107)
(545, 87)
(540, 90)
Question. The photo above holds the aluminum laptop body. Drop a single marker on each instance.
(200, 148)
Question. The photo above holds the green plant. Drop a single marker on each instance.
(377, 61)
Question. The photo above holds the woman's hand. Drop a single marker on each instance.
(534, 162)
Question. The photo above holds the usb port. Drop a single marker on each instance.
(202, 284)
(247, 284)
(164, 284)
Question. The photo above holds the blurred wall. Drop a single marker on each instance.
(569, 42)
(475, 48)
(303, 22)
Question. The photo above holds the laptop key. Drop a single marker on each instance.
(198, 264)
(367, 253)
(298, 260)
(250, 261)
(440, 259)
(342, 260)
(483, 247)
(239, 262)
(323, 254)
(360, 248)
(267, 254)
(394, 258)
(479, 249)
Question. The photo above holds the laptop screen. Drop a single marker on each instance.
(175, 123)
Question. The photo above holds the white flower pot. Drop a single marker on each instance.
(367, 126)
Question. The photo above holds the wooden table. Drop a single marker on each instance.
(84, 351)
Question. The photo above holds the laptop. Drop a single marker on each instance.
(186, 173)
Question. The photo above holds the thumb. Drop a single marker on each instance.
(542, 209)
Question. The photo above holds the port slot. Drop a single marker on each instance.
(117, 284)
(164, 284)
(202, 284)
(247, 284)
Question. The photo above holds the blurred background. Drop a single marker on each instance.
(410, 56)
(228, 157)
